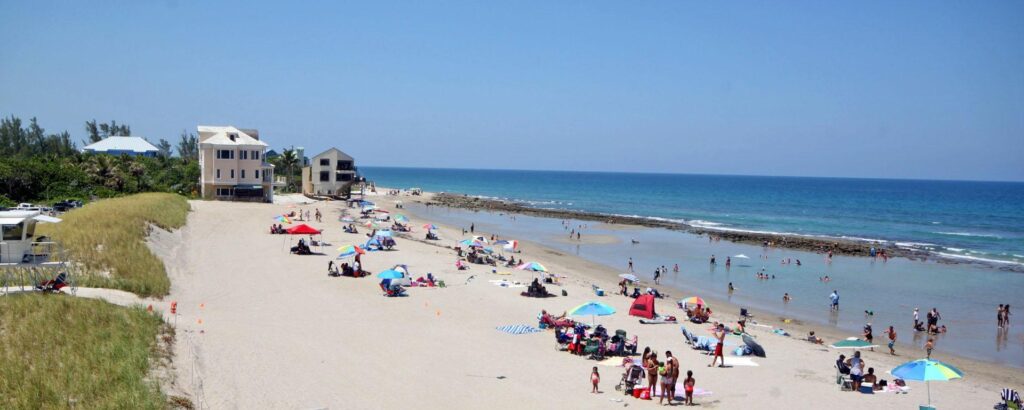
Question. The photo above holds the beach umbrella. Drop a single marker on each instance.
(927, 370)
(390, 274)
(385, 233)
(511, 245)
(371, 224)
(592, 309)
(349, 250)
(347, 219)
(692, 300)
(401, 218)
(851, 343)
(534, 266)
(480, 239)
(489, 250)
(471, 243)
(283, 219)
(365, 203)
(628, 276)
(429, 227)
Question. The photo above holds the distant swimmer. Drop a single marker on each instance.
(728, 261)
(786, 298)
(712, 259)
(731, 288)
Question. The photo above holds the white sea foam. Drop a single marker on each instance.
(972, 234)
(954, 249)
(703, 224)
(978, 259)
(915, 245)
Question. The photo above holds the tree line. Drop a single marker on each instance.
(36, 166)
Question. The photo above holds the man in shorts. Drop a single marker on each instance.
(720, 335)
(668, 380)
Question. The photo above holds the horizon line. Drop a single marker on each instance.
(700, 174)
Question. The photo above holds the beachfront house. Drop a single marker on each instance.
(232, 166)
(132, 146)
(332, 172)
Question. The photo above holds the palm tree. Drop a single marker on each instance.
(288, 161)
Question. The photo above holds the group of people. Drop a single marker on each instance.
(277, 229)
(536, 290)
(855, 368)
(698, 314)
(932, 321)
(662, 375)
(1003, 316)
(350, 228)
(344, 269)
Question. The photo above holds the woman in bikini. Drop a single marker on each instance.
(651, 367)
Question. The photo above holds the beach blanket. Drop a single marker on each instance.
(657, 320)
(518, 329)
(738, 361)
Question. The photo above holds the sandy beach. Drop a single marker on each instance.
(261, 328)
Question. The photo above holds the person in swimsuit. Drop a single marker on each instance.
(595, 378)
(651, 367)
(720, 335)
(868, 336)
(688, 385)
(672, 375)
(892, 340)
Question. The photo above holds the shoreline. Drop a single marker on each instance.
(809, 243)
(725, 310)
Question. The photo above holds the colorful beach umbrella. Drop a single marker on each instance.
(429, 227)
(534, 266)
(592, 309)
(350, 250)
(401, 218)
(480, 239)
(692, 300)
(927, 370)
(385, 233)
(852, 343)
(628, 276)
(511, 245)
(390, 274)
(283, 219)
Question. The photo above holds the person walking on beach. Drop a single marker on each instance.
(891, 333)
(720, 335)
(1006, 315)
(472, 227)
(318, 215)
(630, 264)
(928, 346)
(868, 336)
(835, 300)
(595, 378)
(657, 275)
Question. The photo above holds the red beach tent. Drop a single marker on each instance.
(643, 307)
(302, 229)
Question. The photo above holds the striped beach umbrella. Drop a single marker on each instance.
(927, 370)
(692, 300)
(534, 266)
(349, 250)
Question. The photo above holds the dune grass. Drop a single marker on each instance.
(66, 352)
(106, 240)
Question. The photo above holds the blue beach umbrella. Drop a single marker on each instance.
(592, 309)
(390, 274)
(401, 218)
(384, 233)
(927, 370)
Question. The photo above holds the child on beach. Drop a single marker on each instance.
(892, 340)
(688, 385)
(595, 378)
(928, 346)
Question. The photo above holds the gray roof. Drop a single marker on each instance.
(341, 154)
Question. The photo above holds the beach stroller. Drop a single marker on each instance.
(633, 376)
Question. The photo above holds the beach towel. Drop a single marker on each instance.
(518, 329)
(738, 361)
(681, 391)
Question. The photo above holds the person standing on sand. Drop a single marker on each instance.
(688, 385)
(595, 378)
(577, 236)
(657, 275)
(472, 227)
(720, 335)
(672, 373)
(928, 346)
(892, 340)
(651, 367)
(630, 264)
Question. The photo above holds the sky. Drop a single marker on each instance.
(930, 89)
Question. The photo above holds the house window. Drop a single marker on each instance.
(255, 155)
(243, 174)
(218, 173)
(344, 166)
(325, 176)
(223, 191)
(225, 154)
(232, 173)
(243, 154)
(257, 172)
(325, 162)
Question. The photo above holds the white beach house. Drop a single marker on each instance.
(232, 166)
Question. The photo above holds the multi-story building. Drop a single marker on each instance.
(232, 166)
(331, 173)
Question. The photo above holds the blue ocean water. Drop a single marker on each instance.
(962, 219)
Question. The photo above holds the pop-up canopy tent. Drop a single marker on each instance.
(643, 307)
(303, 229)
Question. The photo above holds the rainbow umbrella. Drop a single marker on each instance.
(692, 300)
(927, 370)
(534, 266)
(283, 219)
(350, 250)
(592, 309)
(429, 227)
